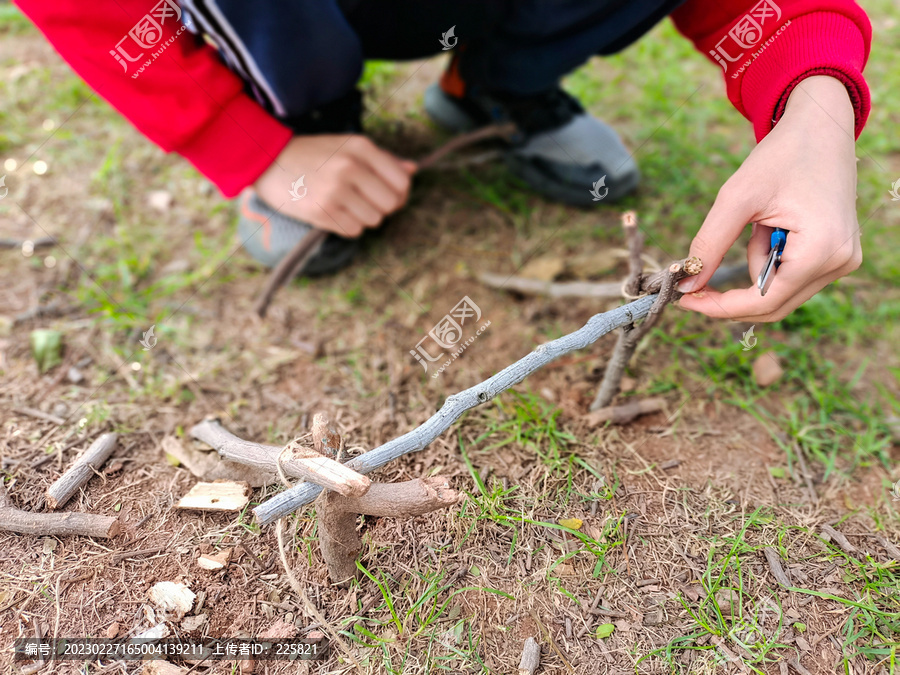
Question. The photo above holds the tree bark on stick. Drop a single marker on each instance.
(454, 406)
(50, 524)
(81, 470)
(631, 336)
(338, 537)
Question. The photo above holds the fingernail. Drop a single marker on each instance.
(687, 285)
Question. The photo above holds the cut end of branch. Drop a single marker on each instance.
(326, 439)
(629, 219)
(693, 266)
(324, 471)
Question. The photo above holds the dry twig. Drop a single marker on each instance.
(81, 470)
(631, 336)
(623, 414)
(48, 524)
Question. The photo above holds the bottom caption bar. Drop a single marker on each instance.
(141, 649)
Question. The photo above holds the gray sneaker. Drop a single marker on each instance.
(268, 235)
(562, 151)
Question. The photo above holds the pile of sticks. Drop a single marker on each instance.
(317, 458)
(61, 491)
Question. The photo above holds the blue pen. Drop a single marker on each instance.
(767, 274)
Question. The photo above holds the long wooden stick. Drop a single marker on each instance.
(597, 326)
(49, 524)
(81, 470)
(306, 248)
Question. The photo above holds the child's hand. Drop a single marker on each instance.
(350, 183)
(801, 177)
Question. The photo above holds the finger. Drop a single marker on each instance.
(375, 191)
(361, 209)
(797, 299)
(758, 249)
(744, 304)
(724, 223)
(384, 164)
(341, 222)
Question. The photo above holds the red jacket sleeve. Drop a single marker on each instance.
(174, 90)
(767, 47)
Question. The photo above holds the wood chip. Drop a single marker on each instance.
(217, 496)
(215, 562)
(172, 597)
(163, 668)
(531, 657)
(795, 664)
(891, 548)
(778, 572)
(839, 539)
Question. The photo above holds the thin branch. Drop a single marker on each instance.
(505, 130)
(598, 290)
(629, 338)
(81, 471)
(306, 248)
(288, 268)
(40, 242)
(457, 404)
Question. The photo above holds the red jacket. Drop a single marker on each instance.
(190, 103)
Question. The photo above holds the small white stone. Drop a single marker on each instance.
(40, 167)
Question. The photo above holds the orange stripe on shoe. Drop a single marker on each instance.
(258, 218)
(451, 81)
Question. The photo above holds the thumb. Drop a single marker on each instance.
(724, 223)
